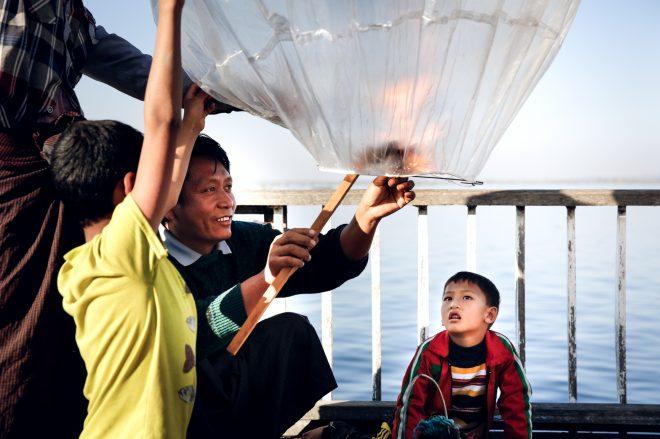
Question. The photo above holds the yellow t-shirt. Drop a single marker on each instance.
(136, 327)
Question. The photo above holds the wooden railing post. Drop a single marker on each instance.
(376, 349)
(422, 273)
(520, 281)
(572, 295)
(471, 241)
(620, 305)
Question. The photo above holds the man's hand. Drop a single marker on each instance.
(196, 106)
(290, 249)
(384, 196)
(221, 107)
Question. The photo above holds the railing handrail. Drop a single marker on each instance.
(467, 197)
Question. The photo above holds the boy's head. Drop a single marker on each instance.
(487, 287)
(203, 214)
(89, 161)
(470, 303)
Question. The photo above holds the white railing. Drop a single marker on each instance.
(273, 205)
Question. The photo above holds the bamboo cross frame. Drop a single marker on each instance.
(284, 274)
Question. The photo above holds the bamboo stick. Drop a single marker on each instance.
(284, 274)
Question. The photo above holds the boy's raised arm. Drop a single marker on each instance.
(162, 116)
(196, 106)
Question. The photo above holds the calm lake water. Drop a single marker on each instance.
(546, 297)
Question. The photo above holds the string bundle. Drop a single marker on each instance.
(438, 426)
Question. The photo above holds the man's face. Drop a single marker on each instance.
(465, 311)
(203, 216)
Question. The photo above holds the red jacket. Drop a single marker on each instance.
(505, 371)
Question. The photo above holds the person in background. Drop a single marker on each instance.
(45, 47)
(459, 371)
(281, 370)
(136, 322)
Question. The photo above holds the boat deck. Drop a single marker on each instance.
(550, 420)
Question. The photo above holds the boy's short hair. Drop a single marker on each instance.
(485, 284)
(206, 147)
(88, 160)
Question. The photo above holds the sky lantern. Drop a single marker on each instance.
(394, 87)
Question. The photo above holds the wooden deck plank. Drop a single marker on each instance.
(595, 417)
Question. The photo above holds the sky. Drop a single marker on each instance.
(593, 119)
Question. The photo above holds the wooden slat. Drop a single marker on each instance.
(572, 295)
(471, 241)
(456, 197)
(351, 411)
(540, 197)
(422, 273)
(620, 305)
(376, 349)
(557, 416)
(520, 281)
(280, 217)
(630, 417)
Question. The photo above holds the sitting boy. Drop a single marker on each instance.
(136, 321)
(470, 363)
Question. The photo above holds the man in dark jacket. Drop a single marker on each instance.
(281, 370)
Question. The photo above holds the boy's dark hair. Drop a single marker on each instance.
(209, 148)
(88, 160)
(485, 284)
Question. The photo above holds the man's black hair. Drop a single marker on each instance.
(205, 147)
(485, 284)
(209, 148)
(88, 160)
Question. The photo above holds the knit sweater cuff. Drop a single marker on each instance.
(226, 313)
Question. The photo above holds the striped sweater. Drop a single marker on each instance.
(469, 383)
(419, 398)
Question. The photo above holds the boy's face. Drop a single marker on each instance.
(203, 216)
(465, 313)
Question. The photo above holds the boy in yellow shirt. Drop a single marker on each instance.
(136, 322)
